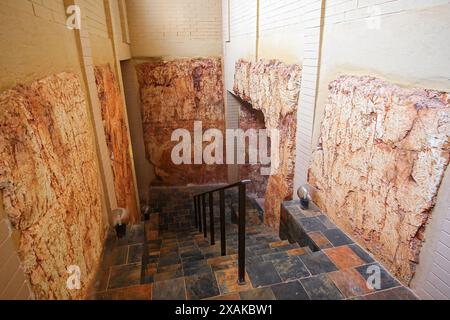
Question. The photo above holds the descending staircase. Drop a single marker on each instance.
(175, 249)
(166, 257)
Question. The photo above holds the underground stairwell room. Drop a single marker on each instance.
(224, 150)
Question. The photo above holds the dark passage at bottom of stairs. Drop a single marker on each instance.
(166, 257)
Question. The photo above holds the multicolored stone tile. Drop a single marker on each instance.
(101, 280)
(224, 265)
(291, 268)
(140, 292)
(228, 281)
(186, 255)
(361, 253)
(135, 253)
(278, 243)
(104, 295)
(169, 290)
(169, 249)
(318, 262)
(319, 240)
(326, 221)
(311, 211)
(258, 294)
(118, 256)
(297, 252)
(398, 293)
(197, 270)
(168, 275)
(344, 257)
(263, 274)
(337, 237)
(125, 276)
(320, 287)
(201, 286)
(221, 259)
(349, 282)
(152, 235)
(168, 259)
(189, 243)
(231, 296)
(312, 224)
(386, 280)
(134, 235)
(289, 291)
(275, 256)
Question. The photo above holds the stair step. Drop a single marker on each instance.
(177, 248)
(299, 251)
(221, 259)
(275, 256)
(287, 247)
(280, 243)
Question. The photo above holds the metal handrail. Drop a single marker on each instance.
(200, 220)
(228, 186)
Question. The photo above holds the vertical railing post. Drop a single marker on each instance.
(199, 211)
(223, 241)
(204, 215)
(241, 235)
(200, 229)
(195, 212)
(211, 217)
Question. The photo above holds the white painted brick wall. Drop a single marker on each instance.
(305, 115)
(233, 106)
(437, 283)
(49, 10)
(276, 14)
(94, 12)
(242, 18)
(180, 21)
(432, 280)
(341, 11)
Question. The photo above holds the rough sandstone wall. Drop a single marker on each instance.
(51, 188)
(250, 118)
(381, 158)
(174, 94)
(274, 88)
(113, 114)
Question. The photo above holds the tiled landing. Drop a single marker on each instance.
(120, 273)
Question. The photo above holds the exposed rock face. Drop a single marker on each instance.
(274, 88)
(113, 114)
(50, 180)
(250, 118)
(383, 152)
(174, 94)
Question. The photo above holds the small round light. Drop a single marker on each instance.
(304, 192)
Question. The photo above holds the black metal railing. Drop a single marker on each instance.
(200, 220)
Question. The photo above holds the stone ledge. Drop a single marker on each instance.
(312, 228)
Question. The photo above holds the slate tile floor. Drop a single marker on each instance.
(156, 263)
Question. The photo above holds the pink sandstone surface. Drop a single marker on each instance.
(381, 157)
(273, 87)
(174, 94)
(250, 118)
(114, 121)
(50, 183)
